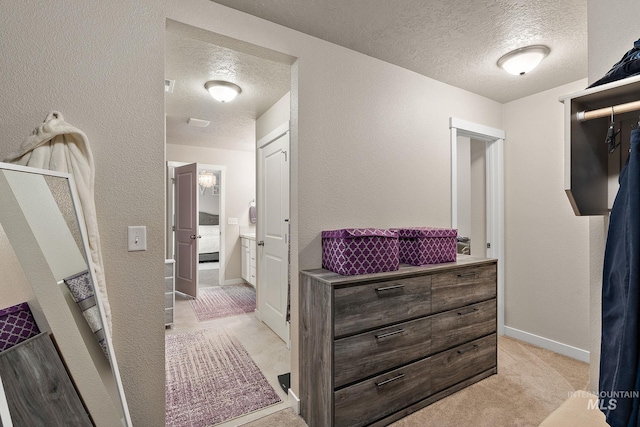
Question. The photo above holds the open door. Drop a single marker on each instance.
(186, 229)
(273, 237)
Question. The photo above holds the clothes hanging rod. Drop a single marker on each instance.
(583, 116)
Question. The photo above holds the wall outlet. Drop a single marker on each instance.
(137, 238)
(233, 221)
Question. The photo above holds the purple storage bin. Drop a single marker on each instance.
(351, 251)
(16, 325)
(427, 245)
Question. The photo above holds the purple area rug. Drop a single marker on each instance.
(224, 301)
(210, 378)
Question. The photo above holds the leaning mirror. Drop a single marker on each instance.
(66, 359)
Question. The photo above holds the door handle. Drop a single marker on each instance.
(260, 243)
(194, 237)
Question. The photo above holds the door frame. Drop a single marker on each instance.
(494, 139)
(261, 143)
(171, 165)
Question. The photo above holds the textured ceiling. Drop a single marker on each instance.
(192, 61)
(454, 41)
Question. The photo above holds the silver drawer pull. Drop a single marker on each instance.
(388, 334)
(389, 288)
(467, 275)
(468, 349)
(473, 310)
(390, 380)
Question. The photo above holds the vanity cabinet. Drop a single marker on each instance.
(376, 347)
(169, 292)
(248, 251)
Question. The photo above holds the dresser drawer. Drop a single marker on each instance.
(464, 286)
(360, 356)
(460, 325)
(367, 306)
(458, 364)
(373, 399)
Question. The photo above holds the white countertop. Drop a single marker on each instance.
(250, 236)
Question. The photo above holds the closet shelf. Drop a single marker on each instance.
(588, 170)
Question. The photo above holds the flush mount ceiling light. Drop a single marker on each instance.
(222, 91)
(523, 60)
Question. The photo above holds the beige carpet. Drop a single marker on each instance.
(531, 383)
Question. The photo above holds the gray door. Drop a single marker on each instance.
(186, 223)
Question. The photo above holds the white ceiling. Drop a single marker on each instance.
(454, 41)
(191, 60)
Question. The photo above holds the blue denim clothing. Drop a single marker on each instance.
(619, 357)
(628, 66)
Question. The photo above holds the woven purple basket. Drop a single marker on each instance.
(427, 245)
(351, 251)
(16, 325)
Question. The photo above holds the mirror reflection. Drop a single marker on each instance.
(45, 263)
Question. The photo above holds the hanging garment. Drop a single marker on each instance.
(619, 370)
(56, 145)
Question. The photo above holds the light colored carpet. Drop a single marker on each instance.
(530, 384)
(210, 379)
(208, 277)
(224, 301)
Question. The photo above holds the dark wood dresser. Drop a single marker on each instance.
(376, 347)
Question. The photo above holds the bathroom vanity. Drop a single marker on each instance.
(376, 347)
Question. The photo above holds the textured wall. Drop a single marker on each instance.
(547, 246)
(240, 189)
(101, 64)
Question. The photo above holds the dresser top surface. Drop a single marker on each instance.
(332, 278)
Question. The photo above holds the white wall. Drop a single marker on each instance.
(279, 113)
(101, 64)
(464, 186)
(478, 160)
(240, 190)
(606, 47)
(547, 246)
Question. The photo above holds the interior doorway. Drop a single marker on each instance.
(208, 211)
(464, 134)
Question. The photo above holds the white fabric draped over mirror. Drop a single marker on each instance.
(56, 145)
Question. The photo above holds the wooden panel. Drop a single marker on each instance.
(433, 398)
(38, 389)
(458, 364)
(453, 289)
(377, 304)
(367, 401)
(460, 325)
(316, 338)
(367, 354)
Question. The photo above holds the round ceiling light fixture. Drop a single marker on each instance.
(520, 61)
(222, 91)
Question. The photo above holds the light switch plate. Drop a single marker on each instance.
(137, 238)
(233, 221)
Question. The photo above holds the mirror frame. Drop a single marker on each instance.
(126, 417)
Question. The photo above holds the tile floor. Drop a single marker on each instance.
(268, 351)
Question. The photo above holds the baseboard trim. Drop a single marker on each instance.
(257, 313)
(234, 282)
(294, 402)
(555, 346)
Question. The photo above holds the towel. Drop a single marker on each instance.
(252, 214)
(58, 146)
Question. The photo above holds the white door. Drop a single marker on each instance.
(186, 229)
(273, 234)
